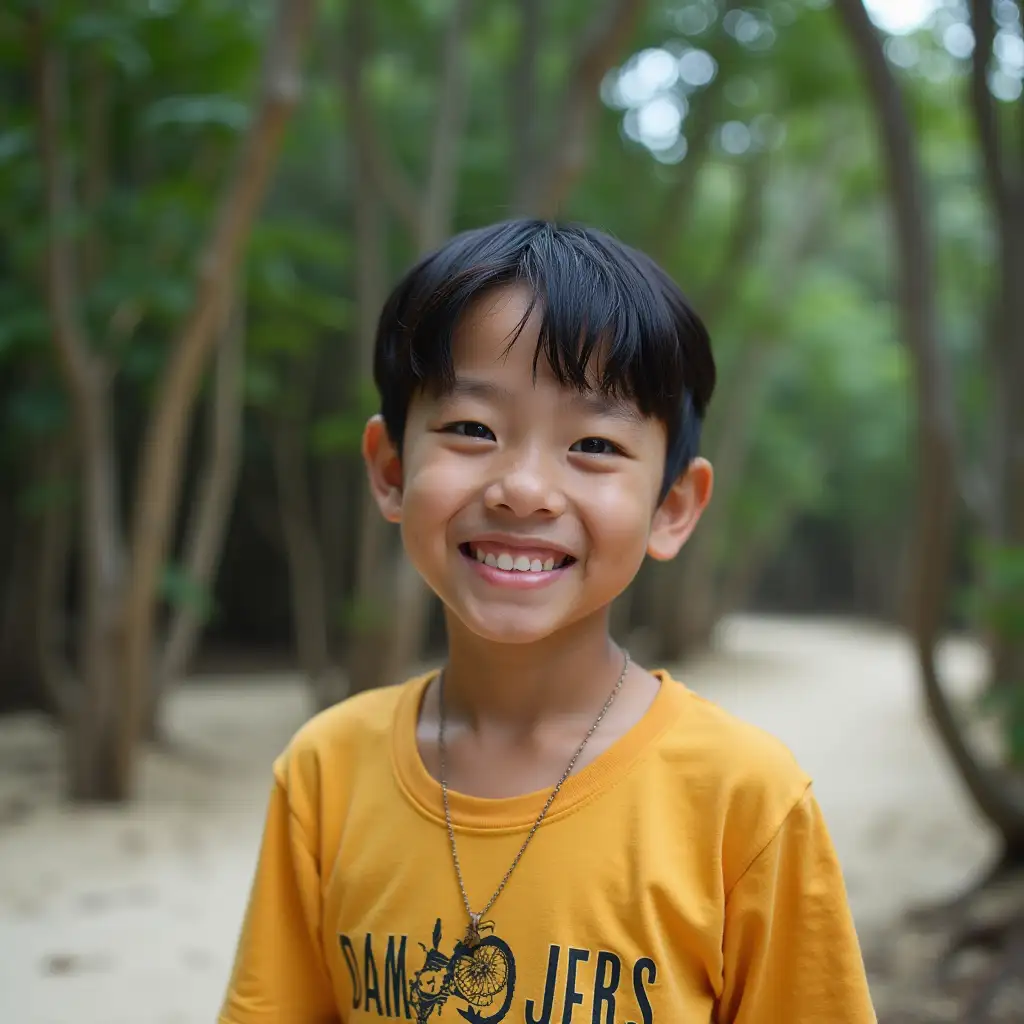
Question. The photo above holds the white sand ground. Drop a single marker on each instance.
(130, 916)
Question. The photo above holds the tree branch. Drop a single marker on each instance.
(96, 138)
(523, 102)
(211, 507)
(78, 365)
(442, 177)
(401, 194)
(49, 594)
(160, 472)
(85, 376)
(394, 185)
(677, 209)
(983, 107)
(600, 48)
(365, 196)
(746, 234)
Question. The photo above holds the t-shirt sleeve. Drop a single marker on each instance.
(791, 953)
(280, 973)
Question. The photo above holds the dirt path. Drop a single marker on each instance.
(129, 917)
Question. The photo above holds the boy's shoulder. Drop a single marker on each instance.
(727, 744)
(739, 773)
(342, 735)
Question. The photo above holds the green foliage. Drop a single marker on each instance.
(996, 604)
(997, 600)
(180, 590)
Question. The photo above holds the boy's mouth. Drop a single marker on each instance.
(532, 560)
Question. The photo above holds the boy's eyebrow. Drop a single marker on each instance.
(471, 387)
(598, 404)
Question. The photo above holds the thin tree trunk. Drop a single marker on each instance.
(367, 620)
(606, 37)
(49, 593)
(211, 508)
(686, 602)
(1003, 178)
(92, 736)
(523, 106)
(744, 574)
(936, 506)
(310, 613)
(158, 489)
(443, 177)
(32, 627)
(21, 683)
(676, 212)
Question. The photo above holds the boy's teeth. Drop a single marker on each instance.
(519, 563)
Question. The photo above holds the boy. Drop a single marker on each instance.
(543, 831)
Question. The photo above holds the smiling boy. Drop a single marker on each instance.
(543, 831)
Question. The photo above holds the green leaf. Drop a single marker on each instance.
(197, 111)
(181, 590)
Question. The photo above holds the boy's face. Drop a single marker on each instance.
(526, 506)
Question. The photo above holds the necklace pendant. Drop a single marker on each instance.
(472, 938)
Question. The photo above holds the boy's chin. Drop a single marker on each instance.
(509, 629)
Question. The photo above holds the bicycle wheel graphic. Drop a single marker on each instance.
(482, 974)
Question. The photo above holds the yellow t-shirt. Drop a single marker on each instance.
(684, 875)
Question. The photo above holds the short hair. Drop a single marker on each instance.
(603, 304)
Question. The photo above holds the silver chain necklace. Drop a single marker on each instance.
(472, 938)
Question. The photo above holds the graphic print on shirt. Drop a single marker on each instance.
(480, 982)
(482, 976)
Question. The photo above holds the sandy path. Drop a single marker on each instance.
(129, 917)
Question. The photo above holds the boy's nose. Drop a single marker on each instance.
(528, 486)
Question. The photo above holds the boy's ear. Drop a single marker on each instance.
(384, 469)
(678, 514)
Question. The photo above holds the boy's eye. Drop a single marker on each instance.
(470, 428)
(596, 446)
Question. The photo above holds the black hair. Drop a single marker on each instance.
(602, 303)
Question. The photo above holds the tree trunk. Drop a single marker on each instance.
(936, 506)
(606, 37)
(1003, 178)
(310, 613)
(119, 596)
(675, 213)
(211, 510)
(522, 94)
(94, 767)
(32, 628)
(21, 678)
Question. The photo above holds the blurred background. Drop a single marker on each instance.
(203, 204)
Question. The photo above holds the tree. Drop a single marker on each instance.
(937, 504)
(122, 572)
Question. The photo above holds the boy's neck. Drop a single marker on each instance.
(519, 685)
